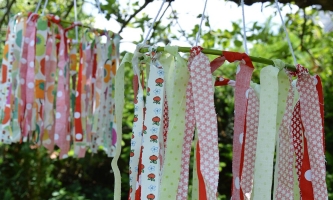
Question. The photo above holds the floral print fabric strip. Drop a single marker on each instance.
(138, 130)
(38, 108)
(150, 177)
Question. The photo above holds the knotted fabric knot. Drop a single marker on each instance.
(300, 70)
(235, 56)
(196, 50)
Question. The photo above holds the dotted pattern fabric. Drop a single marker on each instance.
(252, 121)
(176, 84)
(6, 86)
(187, 140)
(312, 121)
(266, 133)
(49, 118)
(27, 68)
(16, 86)
(62, 135)
(243, 78)
(119, 107)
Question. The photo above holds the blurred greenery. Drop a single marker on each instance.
(27, 172)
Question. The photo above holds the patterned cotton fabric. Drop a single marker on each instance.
(47, 87)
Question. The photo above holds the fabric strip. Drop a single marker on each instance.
(266, 133)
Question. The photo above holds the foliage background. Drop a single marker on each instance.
(27, 172)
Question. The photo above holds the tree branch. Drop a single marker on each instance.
(9, 6)
(134, 14)
(70, 7)
(303, 28)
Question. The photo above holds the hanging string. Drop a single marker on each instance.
(76, 28)
(244, 31)
(44, 7)
(202, 17)
(152, 25)
(287, 35)
(38, 5)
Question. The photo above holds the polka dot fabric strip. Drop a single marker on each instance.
(267, 129)
(243, 77)
(177, 75)
(62, 101)
(313, 126)
(50, 90)
(27, 78)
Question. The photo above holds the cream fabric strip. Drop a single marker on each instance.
(119, 106)
(176, 82)
(266, 133)
(284, 161)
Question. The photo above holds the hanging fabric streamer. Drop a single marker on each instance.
(38, 108)
(283, 170)
(266, 133)
(119, 106)
(273, 98)
(35, 99)
(243, 77)
(207, 134)
(50, 90)
(6, 84)
(27, 71)
(98, 94)
(150, 179)
(61, 135)
(187, 139)
(78, 114)
(250, 141)
(16, 86)
(138, 131)
(176, 82)
(311, 111)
